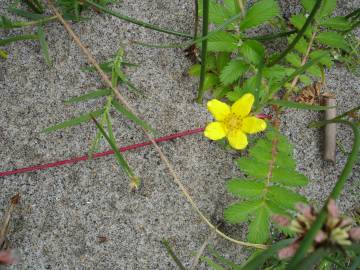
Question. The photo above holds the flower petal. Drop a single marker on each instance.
(242, 106)
(215, 131)
(218, 109)
(281, 220)
(355, 233)
(253, 125)
(288, 251)
(237, 139)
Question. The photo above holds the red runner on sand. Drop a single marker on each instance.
(101, 154)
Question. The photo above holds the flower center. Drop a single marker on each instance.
(233, 122)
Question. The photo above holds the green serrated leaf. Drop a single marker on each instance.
(210, 62)
(43, 45)
(297, 105)
(261, 12)
(333, 39)
(232, 6)
(218, 13)
(297, 72)
(283, 144)
(233, 71)
(298, 21)
(294, 59)
(239, 212)
(275, 209)
(222, 42)
(285, 198)
(259, 227)
(88, 96)
(220, 91)
(211, 80)
(74, 121)
(253, 168)
(222, 60)
(336, 23)
(235, 95)
(194, 70)
(326, 8)
(253, 51)
(301, 46)
(275, 72)
(244, 188)
(288, 178)
(262, 152)
(325, 59)
(305, 80)
(315, 71)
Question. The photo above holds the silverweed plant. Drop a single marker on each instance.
(235, 64)
(244, 74)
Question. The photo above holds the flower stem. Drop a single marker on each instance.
(309, 237)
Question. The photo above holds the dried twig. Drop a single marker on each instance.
(116, 91)
(330, 129)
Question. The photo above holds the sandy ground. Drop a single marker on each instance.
(64, 210)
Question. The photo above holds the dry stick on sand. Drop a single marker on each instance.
(106, 79)
(330, 129)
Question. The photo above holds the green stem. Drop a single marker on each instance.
(322, 123)
(196, 22)
(273, 36)
(17, 38)
(299, 34)
(309, 237)
(137, 22)
(203, 49)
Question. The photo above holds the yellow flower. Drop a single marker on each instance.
(233, 122)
